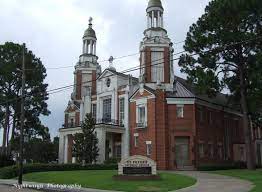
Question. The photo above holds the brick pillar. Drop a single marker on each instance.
(162, 140)
(77, 119)
(78, 85)
(166, 65)
(66, 121)
(148, 64)
(69, 148)
(93, 82)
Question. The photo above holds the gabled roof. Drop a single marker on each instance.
(152, 91)
(75, 104)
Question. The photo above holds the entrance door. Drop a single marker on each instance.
(182, 151)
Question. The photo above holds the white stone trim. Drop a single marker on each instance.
(148, 142)
(180, 101)
(136, 134)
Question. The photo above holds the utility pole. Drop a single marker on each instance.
(22, 119)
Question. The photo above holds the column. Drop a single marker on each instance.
(153, 19)
(61, 148)
(158, 19)
(123, 146)
(162, 21)
(127, 133)
(148, 24)
(87, 46)
(66, 149)
(84, 44)
(259, 133)
(101, 135)
(95, 48)
(91, 46)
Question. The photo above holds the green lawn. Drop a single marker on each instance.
(103, 180)
(253, 176)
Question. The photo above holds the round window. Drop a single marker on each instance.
(108, 82)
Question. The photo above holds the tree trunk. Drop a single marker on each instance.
(7, 114)
(246, 125)
(9, 146)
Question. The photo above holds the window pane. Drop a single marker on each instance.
(121, 111)
(94, 111)
(180, 112)
(107, 109)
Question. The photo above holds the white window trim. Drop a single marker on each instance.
(137, 107)
(181, 106)
(148, 143)
(136, 135)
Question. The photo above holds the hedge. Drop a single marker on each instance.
(228, 166)
(12, 171)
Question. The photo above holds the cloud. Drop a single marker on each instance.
(53, 30)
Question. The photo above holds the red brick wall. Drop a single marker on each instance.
(180, 127)
(214, 132)
(78, 85)
(147, 134)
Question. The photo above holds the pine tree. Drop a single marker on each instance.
(85, 144)
(224, 52)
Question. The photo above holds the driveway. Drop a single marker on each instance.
(207, 182)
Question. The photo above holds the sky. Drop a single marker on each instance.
(53, 30)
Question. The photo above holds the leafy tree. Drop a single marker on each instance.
(38, 150)
(10, 86)
(224, 53)
(85, 143)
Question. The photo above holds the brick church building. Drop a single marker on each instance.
(158, 115)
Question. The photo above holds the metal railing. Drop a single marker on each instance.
(106, 121)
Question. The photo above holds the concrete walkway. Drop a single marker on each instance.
(206, 182)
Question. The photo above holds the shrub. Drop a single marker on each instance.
(5, 161)
(226, 166)
(112, 161)
(12, 171)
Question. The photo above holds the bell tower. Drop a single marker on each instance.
(86, 72)
(156, 50)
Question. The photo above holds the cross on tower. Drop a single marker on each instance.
(90, 20)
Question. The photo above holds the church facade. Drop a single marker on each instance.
(157, 115)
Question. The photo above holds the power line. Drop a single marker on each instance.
(105, 60)
(60, 89)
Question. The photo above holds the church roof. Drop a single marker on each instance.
(154, 3)
(187, 90)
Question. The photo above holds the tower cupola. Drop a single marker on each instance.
(89, 40)
(155, 12)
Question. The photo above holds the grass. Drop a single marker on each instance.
(103, 180)
(254, 176)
